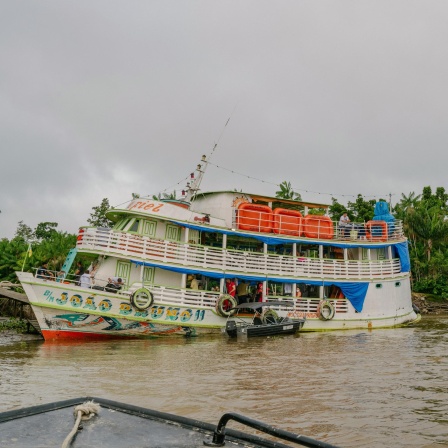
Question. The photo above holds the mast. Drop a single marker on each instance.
(193, 187)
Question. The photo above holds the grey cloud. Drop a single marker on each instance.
(102, 99)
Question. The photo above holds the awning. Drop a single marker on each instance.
(355, 292)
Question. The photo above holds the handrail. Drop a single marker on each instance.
(219, 434)
(354, 230)
(231, 260)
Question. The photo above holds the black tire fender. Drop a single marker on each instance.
(142, 299)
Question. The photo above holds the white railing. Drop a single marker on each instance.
(229, 260)
(320, 227)
(198, 299)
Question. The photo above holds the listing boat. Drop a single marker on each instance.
(112, 424)
(265, 321)
(174, 257)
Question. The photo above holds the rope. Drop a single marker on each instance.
(83, 411)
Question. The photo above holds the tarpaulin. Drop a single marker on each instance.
(355, 292)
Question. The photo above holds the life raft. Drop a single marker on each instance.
(325, 310)
(318, 226)
(254, 217)
(224, 305)
(376, 230)
(142, 299)
(287, 222)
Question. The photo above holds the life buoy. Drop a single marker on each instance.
(269, 317)
(224, 305)
(376, 230)
(325, 310)
(142, 299)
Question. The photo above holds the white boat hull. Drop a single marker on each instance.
(65, 311)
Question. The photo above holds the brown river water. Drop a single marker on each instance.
(380, 388)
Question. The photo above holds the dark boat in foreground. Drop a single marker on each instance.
(121, 425)
(265, 321)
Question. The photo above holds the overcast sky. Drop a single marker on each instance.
(100, 99)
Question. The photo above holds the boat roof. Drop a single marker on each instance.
(118, 425)
(263, 198)
(255, 305)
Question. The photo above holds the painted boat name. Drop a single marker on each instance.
(156, 312)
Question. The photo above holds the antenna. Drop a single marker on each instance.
(193, 187)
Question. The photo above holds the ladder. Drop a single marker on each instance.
(69, 261)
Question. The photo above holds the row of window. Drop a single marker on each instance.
(148, 228)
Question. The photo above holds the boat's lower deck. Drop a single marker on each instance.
(68, 311)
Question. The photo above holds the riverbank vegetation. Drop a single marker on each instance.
(14, 324)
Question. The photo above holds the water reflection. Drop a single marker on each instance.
(353, 388)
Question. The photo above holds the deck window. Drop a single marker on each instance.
(122, 224)
(172, 233)
(148, 275)
(134, 226)
(149, 228)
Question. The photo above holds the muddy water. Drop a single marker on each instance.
(381, 388)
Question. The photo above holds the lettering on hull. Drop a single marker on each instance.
(156, 312)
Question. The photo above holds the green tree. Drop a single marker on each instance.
(437, 200)
(14, 254)
(361, 210)
(400, 208)
(11, 254)
(24, 232)
(98, 217)
(286, 192)
(336, 210)
(45, 230)
(411, 200)
(427, 224)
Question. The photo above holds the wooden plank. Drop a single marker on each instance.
(7, 293)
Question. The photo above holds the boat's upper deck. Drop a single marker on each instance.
(252, 216)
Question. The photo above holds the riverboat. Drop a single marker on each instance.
(174, 257)
(87, 422)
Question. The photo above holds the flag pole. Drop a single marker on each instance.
(28, 252)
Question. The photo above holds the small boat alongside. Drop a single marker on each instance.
(96, 422)
(265, 321)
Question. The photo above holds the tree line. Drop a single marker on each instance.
(29, 248)
(424, 219)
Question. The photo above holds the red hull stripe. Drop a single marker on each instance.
(60, 335)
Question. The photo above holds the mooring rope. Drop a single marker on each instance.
(83, 411)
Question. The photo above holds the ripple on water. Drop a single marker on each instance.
(352, 388)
